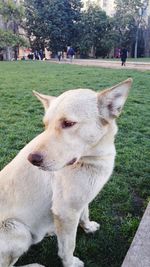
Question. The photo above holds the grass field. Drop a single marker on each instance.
(120, 205)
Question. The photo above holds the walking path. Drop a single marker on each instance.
(108, 64)
(138, 254)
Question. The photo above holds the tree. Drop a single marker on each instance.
(12, 17)
(52, 23)
(95, 32)
(129, 22)
(8, 38)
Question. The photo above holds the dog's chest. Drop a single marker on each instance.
(80, 185)
(93, 180)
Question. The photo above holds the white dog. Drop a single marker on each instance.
(47, 187)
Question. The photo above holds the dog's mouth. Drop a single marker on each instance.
(71, 162)
(51, 167)
(38, 161)
(44, 168)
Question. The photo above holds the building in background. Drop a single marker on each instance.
(107, 5)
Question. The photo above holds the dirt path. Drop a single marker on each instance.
(109, 64)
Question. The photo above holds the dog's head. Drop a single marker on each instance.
(75, 123)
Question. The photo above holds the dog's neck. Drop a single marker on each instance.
(103, 149)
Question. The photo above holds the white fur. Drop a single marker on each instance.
(54, 198)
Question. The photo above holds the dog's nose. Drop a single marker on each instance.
(35, 158)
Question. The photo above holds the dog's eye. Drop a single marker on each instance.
(67, 124)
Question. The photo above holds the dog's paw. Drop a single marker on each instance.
(91, 227)
(75, 263)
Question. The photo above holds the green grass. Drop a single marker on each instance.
(120, 205)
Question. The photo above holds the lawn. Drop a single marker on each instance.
(120, 205)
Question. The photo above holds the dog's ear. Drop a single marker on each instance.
(45, 99)
(111, 101)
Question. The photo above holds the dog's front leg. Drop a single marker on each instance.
(86, 224)
(66, 228)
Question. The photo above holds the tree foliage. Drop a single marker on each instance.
(12, 17)
(128, 19)
(11, 12)
(95, 32)
(8, 38)
(52, 23)
(55, 24)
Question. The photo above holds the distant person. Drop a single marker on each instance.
(59, 54)
(123, 55)
(36, 55)
(71, 53)
(41, 55)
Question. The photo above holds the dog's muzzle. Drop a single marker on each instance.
(36, 159)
